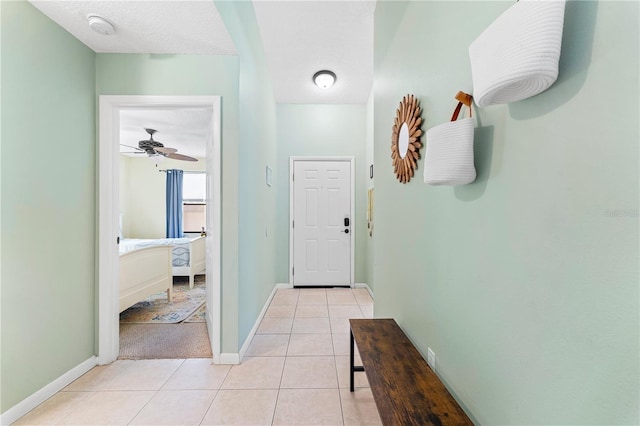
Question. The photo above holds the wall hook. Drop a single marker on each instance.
(465, 98)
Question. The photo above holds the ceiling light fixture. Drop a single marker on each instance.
(156, 158)
(100, 25)
(324, 78)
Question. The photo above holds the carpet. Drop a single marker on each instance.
(164, 341)
(157, 310)
(199, 315)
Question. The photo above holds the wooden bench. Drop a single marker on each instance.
(405, 389)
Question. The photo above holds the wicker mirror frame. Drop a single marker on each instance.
(408, 112)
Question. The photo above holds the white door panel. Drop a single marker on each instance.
(321, 202)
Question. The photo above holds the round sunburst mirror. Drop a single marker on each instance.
(405, 139)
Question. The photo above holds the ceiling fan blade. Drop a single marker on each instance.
(180, 157)
(134, 152)
(132, 147)
(166, 150)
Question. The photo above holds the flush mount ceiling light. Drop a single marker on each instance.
(100, 25)
(324, 78)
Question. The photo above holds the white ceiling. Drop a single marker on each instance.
(302, 37)
(176, 26)
(299, 38)
(186, 129)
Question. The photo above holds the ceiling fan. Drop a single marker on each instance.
(155, 149)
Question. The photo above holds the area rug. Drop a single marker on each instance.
(199, 315)
(164, 341)
(156, 309)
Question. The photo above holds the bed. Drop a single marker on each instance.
(188, 254)
(144, 272)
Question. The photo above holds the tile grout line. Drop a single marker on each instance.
(215, 396)
(335, 366)
(93, 393)
(69, 413)
(143, 406)
(275, 407)
(155, 393)
(172, 374)
(210, 404)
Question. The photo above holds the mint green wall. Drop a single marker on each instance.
(370, 184)
(256, 150)
(48, 202)
(322, 130)
(143, 194)
(524, 283)
(192, 75)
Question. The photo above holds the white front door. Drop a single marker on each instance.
(322, 223)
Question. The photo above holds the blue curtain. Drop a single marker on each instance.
(174, 203)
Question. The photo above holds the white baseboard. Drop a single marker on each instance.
(253, 331)
(40, 396)
(284, 285)
(236, 358)
(232, 358)
(280, 286)
(365, 285)
(229, 358)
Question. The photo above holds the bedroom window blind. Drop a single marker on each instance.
(194, 217)
(194, 209)
(194, 187)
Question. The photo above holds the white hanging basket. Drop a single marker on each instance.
(517, 56)
(449, 154)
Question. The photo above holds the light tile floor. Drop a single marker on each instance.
(295, 372)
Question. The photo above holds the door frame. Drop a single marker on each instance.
(352, 207)
(108, 216)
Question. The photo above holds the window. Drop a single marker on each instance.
(194, 196)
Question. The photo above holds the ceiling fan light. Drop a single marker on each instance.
(156, 158)
(324, 79)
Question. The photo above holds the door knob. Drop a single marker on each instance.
(346, 231)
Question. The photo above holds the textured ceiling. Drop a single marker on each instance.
(186, 129)
(186, 26)
(302, 37)
(299, 38)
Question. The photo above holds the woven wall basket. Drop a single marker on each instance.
(517, 56)
(449, 156)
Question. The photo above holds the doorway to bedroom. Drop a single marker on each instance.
(159, 176)
(162, 201)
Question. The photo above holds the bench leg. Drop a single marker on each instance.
(352, 367)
